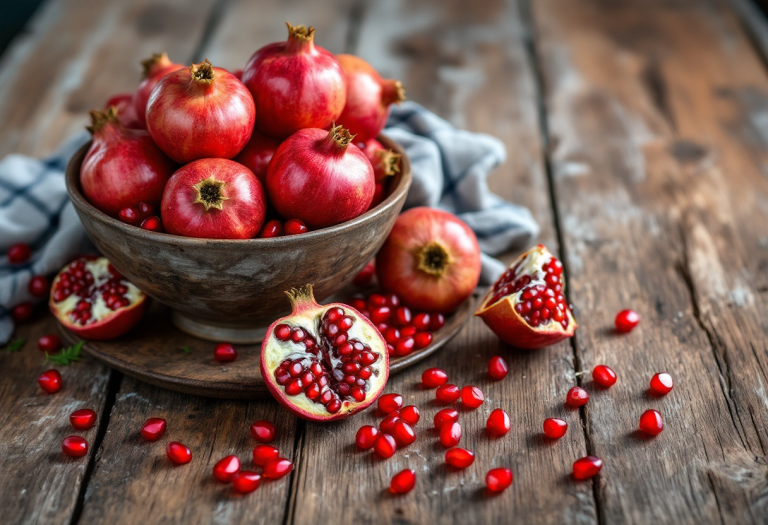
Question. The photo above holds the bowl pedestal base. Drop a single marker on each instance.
(218, 333)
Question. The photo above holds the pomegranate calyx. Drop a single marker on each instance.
(209, 192)
(300, 38)
(393, 92)
(202, 73)
(338, 139)
(433, 259)
(154, 63)
(389, 161)
(100, 119)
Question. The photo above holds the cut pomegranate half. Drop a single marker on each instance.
(323, 362)
(526, 307)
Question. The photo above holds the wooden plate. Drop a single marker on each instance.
(154, 352)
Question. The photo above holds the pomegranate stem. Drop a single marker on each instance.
(300, 38)
(301, 296)
(338, 139)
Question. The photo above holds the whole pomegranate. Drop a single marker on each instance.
(385, 162)
(214, 199)
(295, 85)
(321, 178)
(123, 166)
(91, 298)
(200, 112)
(368, 98)
(526, 307)
(431, 259)
(123, 103)
(155, 68)
(323, 362)
(257, 153)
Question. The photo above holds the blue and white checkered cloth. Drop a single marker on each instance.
(450, 171)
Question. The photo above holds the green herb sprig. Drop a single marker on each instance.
(67, 356)
(16, 345)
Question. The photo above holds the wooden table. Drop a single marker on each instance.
(636, 132)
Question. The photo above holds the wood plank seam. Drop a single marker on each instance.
(212, 24)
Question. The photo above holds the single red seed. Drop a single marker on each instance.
(651, 422)
(263, 454)
(422, 321)
(376, 299)
(472, 397)
(410, 414)
(403, 315)
(405, 346)
(74, 446)
(445, 416)
(50, 381)
(498, 479)
(22, 312)
(50, 343)
(152, 224)
(384, 445)
(497, 368)
(555, 428)
(19, 253)
(224, 353)
(408, 331)
(178, 453)
(39, 286)
(129, 215)
(576, 397)
(246, 481)
(226, 468)
(450, 435)
(603, 376)
(387, 425)
(271, 229)
(295, 227)
(380, 314)
(366, 436)
(459, 457)
(498, 422)
(83, 419)
(403, 433)
(153, 429)
(391, 335)
(587, 467)
(448, 393)
(434, 377)
(390, 402)
(661, 383)
(263, 431)
(627, 320)
(437, 322)
(283, 332)
(146, 209)
(403, 482)
(422, 340)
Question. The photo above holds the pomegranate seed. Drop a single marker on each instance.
(390, 402)
(263, 454)
(405, 346)
(380, 314)
(22, 312)
(408, 331)
(153, 224)
(50, 343)
(403, 315)
(39, 286)
(587, 467)
(391, 335)
(246, 481)
(437, 322)
(498, 479)
(445, 416)
(376, 299)
(384, 446)
(472, 397)
(433, 377)
(459, 457)
(403, 482)
(83, 419)
(226, 468)
(497, 368)
(410, 414)
(627, 320)
(393, 300)
(366, 436)
(146, 209)
(19, 253)
(450, 435)
(358, 303)
(576, 397)
(422, 321)
(224, 353)
(651, 422)
(271, 229)
(661, 383)
(129, 216)
(153, 429)
(74, 446)
(555, 428)
(422, 340)
(263, 431)
(403, 433)
(283, 332)
(365, 276)
(388, 423)
(178, 453)
(603, 376)
(448, 393)
(295, 227)
(498, 422)
(50, 381)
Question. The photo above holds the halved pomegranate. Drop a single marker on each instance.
(526, 307)
(323, 362)
(91, 298)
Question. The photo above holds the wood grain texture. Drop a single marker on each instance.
(654, 110)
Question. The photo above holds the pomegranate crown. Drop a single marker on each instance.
(340, 136)
(99, 119)
(390, 161)
(157, 59)
(203, 72)
(301, 32)
(301, 296)
(394, 92)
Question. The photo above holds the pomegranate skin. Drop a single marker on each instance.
(431, 259)
(257, 153)
(123, 166)
(295, 85)
(155, 68)
(200, 112)
(321, 178)
(123, 102)
(236, 205)
(368, 98)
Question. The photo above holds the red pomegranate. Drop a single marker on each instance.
(431, 259)
(123, 166)
(200, 112)
(214, 199)
(368, 98)
(123, 103)
(295, 85)
(321, 178)
(385, 162)
(257, 153)
(323, 362)
(155, 68)
(526, 307)
(90, 298)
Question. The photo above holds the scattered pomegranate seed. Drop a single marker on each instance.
(555, 428)
(50, 343)
(437, 322)
(405, 346)
(246, 481)
(74, 446)
(358, 303)
(446, 416)
(498, 479)
(459, 457)
(422, 340)
(178, 453)
(153, 429)
(603, 376)
(19, 253)
(448, 393)
(83, 419)
(366, 436)
(152, 224)
(498, 422)
(263, 431)
(365, 276)
(627, 320)
(651, 422)
(388, 423)
(433, 377)
(497, 368)
(380, 314)
(391, 335)
(403, 316)
(390, 402)
(50, 381)
(393, 301)
(226, 468)
(129, 215)
(422, 322)
(39, 286)
(384, 446)
(661, 383)
(224, 353)
(472, 397)
(271, 229)
(403, 482)
(587, 467)
(295, 227)
(410, 414)
(146, 209)
(450, 435)
(376, 299)
(403, 433)
(22, 312)
(408, 331)
(576, 397)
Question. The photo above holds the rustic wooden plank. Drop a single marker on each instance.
(656, 113)
(468, 62)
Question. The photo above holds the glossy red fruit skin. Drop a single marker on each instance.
(246, 481)
(295, 85)
(234, 196)
(448, 393)
(224, 353)
(263, 431)
(445, 416)
(50, 343)
(410, 414)
(403, 433)
(257, 153)
(225, 469)
(651, 422)
(603, 376)
(366, 436)
(626, 321)
(576, 397)
(295, 227)
(74, 446)
(555, 428)
(403, 482)
(472, 397)
(388, 403)
(153, 429)
(50, 381)
(498, 479)
(450, 435)
(178, 453)
(498, 423)
(123, 166)
(661, 384)
(497, 368)
(155, 68)
(459, 457)
(318, 176)
(83, 419)
(587, 467)
(263, 454)
(22, 312)
(19, 253)
(433, 377)
(431, 259)
(123, 103)
(202, 112)
(384, 445)
(273, 228)
(277, 468)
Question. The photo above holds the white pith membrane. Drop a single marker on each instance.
(89, 290)
(334, 380)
